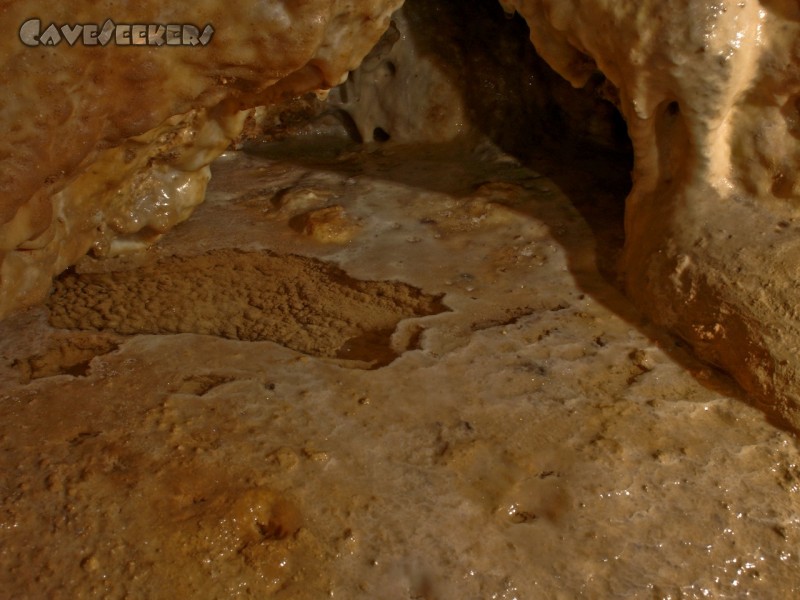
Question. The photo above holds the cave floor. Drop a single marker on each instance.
(389, 373)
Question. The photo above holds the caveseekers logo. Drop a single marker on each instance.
(121, 34)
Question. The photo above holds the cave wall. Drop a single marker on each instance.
(710, 94)
(454, 71)
(105, 147)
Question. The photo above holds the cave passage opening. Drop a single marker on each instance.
(463, 79)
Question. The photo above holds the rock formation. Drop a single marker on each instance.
(711, 96)
(107, 146)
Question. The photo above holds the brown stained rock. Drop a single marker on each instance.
(300, 302)
(75, 174)
(329, 225)
(70, 100)
(69, 354)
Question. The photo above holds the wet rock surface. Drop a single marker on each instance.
(539, 439)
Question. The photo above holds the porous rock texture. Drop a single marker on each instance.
(251, 296)
(109, 146)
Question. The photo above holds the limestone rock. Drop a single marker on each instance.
(710, 93)
(113, 141)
